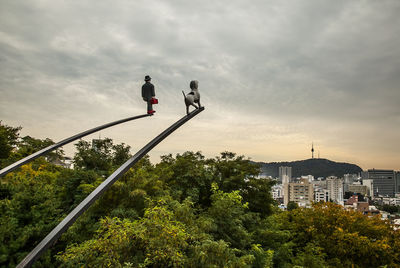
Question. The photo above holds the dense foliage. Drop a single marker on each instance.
(185, 211)
(392, 209)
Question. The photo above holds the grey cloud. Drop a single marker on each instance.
(305, 63)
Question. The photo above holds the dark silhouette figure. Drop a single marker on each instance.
(148, 94)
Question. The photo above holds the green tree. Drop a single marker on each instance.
(392, 209)
(187, 175)
(233, 172)
(229, 214)
(96, 155)
(8, 141)
(29, 211)
(292, 205)
(121, 154)
(14, 148)
(155, 240)
(342, 238)
(28, 145)
(101, 155)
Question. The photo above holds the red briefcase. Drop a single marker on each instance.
(154, 101)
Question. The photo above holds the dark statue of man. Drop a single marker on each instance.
(148, 94)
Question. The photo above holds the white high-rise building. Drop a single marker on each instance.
(334, 186)
(285, 174)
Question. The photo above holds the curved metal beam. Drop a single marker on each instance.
(52, 237)
(33, 156)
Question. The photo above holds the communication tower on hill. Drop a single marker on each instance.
(312, 150)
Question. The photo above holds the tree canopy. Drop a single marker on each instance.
(185, 211)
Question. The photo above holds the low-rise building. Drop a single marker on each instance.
(277, 191)
(321, 195)
(370, 186)
(353, 199)
(301, 192)
(360, 189)
(310, 178)
(362, 207)
(65, 162)
(391, 201)
(349, 179)
(396, 223)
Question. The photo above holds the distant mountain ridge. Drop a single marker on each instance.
(318, 167)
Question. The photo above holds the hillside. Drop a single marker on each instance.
(317, 167)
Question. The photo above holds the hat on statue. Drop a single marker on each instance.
(147, 78)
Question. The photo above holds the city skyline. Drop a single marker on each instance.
(274, 77)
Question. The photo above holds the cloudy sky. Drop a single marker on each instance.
(274, 76)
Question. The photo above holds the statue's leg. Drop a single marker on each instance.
(149, 106)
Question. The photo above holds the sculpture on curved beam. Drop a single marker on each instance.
(93, 196)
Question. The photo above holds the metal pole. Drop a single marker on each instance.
(85, 204)
(33, 156)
